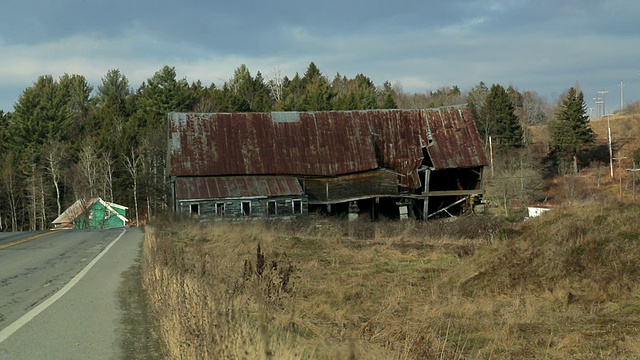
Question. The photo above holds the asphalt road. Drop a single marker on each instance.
(59, 293)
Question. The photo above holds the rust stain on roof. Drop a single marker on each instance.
(322, 143)
(236, 187)
(456, 142)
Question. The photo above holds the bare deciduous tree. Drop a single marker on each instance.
(107, 171)
(9, 181)
(87, 171)
(132, 163)
(276, 85)
(517, 177)
(55, 155)
(36, 197)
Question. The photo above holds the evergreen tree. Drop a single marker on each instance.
(162, 94)
(498, 109)
(317, 92)
(262, 100)
(387, 97)
(569, 131)
(80, 104)
(365, 92)
(247, 93)
(636, 158)
(114, 90)
(4, 124)
(318, 95)
(41, 115)
(210, 99)
(107, 121)
(292, 95)
(355, 94)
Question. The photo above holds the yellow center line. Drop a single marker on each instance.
(25, 240)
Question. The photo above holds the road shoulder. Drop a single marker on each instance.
(87, 322)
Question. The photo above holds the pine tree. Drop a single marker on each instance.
(570, 131)
(387, 97)
(114, 90)
(358, 93)
(499, 110)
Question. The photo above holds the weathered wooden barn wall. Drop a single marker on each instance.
(210, 209)
(351, 186)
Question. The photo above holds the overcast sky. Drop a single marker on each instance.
(541, 45)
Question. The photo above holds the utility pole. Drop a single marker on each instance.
(604, 92)
(621, 85)
(598, 102)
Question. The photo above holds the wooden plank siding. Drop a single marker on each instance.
(340, 188)
(244, 208)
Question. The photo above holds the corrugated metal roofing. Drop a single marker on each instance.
(253, 144)
(456, 142)
(322, 143)
(236, 187)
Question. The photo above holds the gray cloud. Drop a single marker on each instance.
(545, 46)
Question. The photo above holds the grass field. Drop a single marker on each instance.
(557, 287)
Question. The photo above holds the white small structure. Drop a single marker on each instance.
(535, 211)
(404, 212)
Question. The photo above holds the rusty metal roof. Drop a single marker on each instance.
(322, 143)
(456, 142)
(264, 144)
(236, 187)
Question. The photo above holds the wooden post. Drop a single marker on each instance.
(326, 191)
(491, 155)
(633, 181)
(610, 148)
(425, 207)
(619, 159)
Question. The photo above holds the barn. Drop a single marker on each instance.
(416, 163)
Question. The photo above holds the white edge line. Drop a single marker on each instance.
(24, 319)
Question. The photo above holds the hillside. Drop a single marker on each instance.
(594, 179)
(561, 286)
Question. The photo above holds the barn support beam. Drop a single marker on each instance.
(427, 178)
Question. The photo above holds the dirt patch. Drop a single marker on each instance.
(139, 339)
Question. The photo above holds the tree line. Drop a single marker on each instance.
(66, 140)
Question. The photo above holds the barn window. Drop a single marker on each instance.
(195, 209)
(246, 208)
(272, 208)
(297, 206)
(219, 209)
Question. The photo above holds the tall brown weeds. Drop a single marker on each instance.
(472, 288)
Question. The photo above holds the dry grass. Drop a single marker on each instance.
(562, 286)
